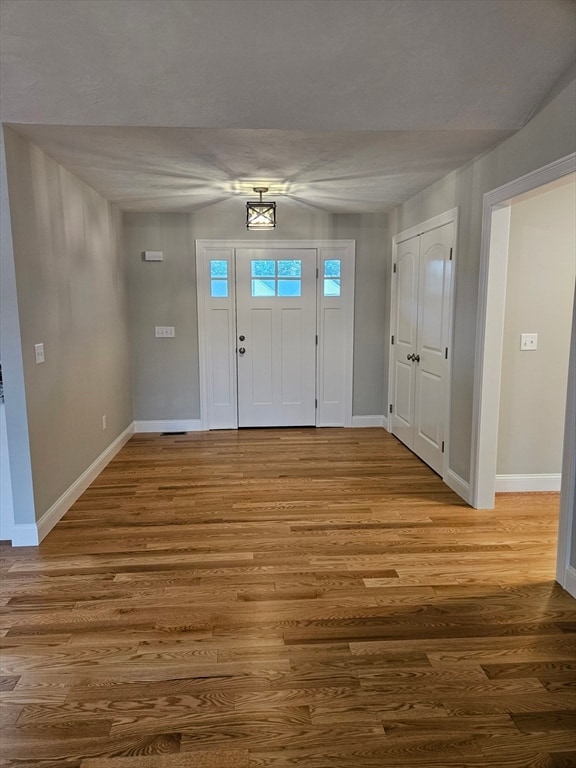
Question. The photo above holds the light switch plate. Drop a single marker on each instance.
(39, 353)
(528, 341)
(165, 331)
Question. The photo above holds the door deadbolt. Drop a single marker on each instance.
(241, 338)
(242, 350)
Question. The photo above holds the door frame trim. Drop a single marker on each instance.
(203, 352)
(447, 217)
(491, 305)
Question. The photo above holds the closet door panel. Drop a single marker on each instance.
(404, 349)
(431, 366)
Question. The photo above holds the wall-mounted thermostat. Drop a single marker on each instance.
(153, 255)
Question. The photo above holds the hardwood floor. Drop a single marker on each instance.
(275, 598)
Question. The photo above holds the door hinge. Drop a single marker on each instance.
(316, 403)
(394, 268)
(451, 251)
(316, 339)
(392, 339)
(446, 354)
(318, 273)
(391, 407)
(442, 446)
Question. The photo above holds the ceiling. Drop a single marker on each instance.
(343, 105)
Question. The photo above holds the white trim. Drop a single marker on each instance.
(491, 298)
(454, 481)
(564, 571)
(570, 581)
(527, 483)
(25, 535)
(169, 425)
(370, 421)
(425, 226)
(489, 369)
(28, 535)
(6, 501)
(458, 485)
(270, 244)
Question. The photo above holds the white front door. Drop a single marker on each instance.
(423, 281)
(295, 308)
(276, 336)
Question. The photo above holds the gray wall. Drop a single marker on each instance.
(372, 306)
(550, 135)
(165, 371)
(70, 285)
(539, 298)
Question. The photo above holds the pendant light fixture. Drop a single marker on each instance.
(260, 215)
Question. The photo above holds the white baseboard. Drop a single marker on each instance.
(570, 581)
(458, 485)
(169, 425)
(525, 483)
(24, 534)
(369, 421)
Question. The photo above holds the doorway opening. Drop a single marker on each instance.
(488, 365)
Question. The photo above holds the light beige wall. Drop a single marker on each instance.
(550, 135)
(70, 283)
(165, 371)
(539, 298)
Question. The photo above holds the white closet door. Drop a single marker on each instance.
(431, 365)
(276, 336)
(404, 348)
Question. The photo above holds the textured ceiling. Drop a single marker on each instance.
(348, 105)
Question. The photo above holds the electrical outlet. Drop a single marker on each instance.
(528, 341)
(39, 353)
(103, 422)
(165, 331)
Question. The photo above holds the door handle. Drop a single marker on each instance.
(242, 350)
(410, 357)
(416, 358)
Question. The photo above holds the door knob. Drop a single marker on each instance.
(241, 350)
(241, 338)
(416, 358)
(409, 357)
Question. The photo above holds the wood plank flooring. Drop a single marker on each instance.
(280, 598)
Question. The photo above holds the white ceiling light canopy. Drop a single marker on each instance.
(259, 214)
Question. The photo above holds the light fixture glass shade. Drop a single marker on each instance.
(260, 215)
